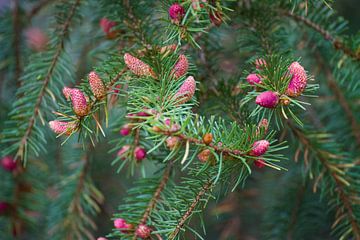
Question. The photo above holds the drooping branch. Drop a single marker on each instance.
(47, 79)
(337, 43)
(340, 183)
(338, 93)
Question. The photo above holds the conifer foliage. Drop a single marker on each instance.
(143, 119)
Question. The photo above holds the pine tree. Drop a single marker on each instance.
(193, 119)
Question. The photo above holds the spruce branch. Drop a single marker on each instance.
(79, 197)
(20, 147)
(37, 8)
(340, 183)
(156, 197)
(206, 187)
(336, 42)
(339, 95)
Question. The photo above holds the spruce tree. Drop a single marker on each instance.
(192, 119)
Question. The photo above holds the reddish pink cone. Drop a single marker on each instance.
(259, 148)
(106, 25)
(181, 66)
(298, 80)
(137, 66)
(125, 130)
(176, 13)
(120, 223)
(216, 17)
(267, 99)
(122, 151)
(187, 90)
(4, 207)
(79, 102)
(260, 63)
(139, 153)
(253, 79)
(8, 163)
(59, 127)
(168, 121)
(259, 163)
(172, 142)
(117, 88)
(97, 86)
(143, 231)
(67, 92)
(36, 39)
(102, 238)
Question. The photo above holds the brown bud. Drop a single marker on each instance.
(172, 142)
(207, 138)
(156, 129)
(204, 155)
(285, 101)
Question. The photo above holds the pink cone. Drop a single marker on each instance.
(97, 86)
(176, 12)
(181, 66)
(259, 163)
(120, 223)
(4, 207)
(253, 79)
(143, 231)
(125, 130)
(36, 39)
(106, 25)
(67, 92)
(187, 90)
(122, 151)
(8, 163)
(215, 17)
(79, 102)
(259, 148)
(137, 66)
(267, 99)
(60, 127)
(298, 80)
(139, 153)
(102, 238)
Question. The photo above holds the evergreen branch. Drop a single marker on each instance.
(345, 199)
(116, 78)
(344, 104)
(213, 146)
(295, 211)
(206, 187)
(155, 198)
(59, 49)
(337, 43)
(16, 40)
(38, 7)
(79, 197)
